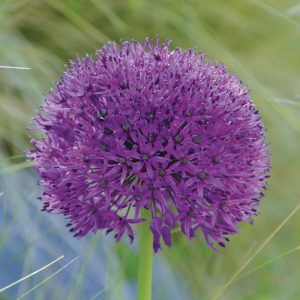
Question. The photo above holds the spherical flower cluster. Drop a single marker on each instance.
(141, 126)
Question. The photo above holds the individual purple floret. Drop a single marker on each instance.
(141, 126)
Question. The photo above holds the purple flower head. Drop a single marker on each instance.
(141, 126)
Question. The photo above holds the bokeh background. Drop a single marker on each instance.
(259, 40)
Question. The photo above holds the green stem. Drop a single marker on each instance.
(144, 281)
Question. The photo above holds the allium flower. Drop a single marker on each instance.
(143, 127)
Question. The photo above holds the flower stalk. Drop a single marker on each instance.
(144, 281)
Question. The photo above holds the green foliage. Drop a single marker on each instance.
(128, 259)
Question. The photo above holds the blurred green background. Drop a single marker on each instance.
(259, 40)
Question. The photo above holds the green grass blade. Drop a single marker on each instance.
(276, 13)
(77, 20)
(81, 274)
(256, 252)
(287, 101)
(294, 10)
(18, 68)
(16, 167)
(48, 278)
(110, 15)
(31, 274)
(269, 261)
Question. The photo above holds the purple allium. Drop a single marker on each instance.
(143, 127)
